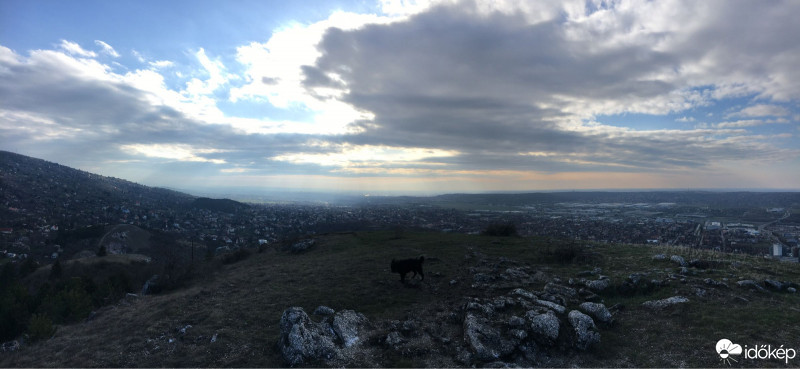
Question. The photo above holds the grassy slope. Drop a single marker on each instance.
(243, 302)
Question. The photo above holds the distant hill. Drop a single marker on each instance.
(222, 205)
(29, 185)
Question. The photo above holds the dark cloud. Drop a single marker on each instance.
(492, 86)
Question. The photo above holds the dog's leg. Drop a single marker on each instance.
(402, 277)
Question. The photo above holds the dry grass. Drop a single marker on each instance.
(241, 305)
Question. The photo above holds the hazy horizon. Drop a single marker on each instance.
(407, 97)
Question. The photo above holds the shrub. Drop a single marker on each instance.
(235, 256)
(40, 327)
(55, 270)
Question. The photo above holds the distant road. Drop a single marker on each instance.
(785, 215)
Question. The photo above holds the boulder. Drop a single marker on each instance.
(544, 326)
(665, 303)
(303, 341)
(659, 257)
(524, 293)
(599, 284)
(597, 311)
(551, 305)
(559, 290)
(773, 284)
(677, 259)
(485, 341)
(347, 324)
(302, 246)
(586, 334)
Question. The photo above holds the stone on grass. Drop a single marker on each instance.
(665, 303)
(586, 334)
(597, 311)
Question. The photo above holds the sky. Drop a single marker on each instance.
(411, 97)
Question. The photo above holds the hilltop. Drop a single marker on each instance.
(479, 297)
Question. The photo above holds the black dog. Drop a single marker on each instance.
(408, 265)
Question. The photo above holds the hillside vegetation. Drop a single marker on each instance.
(231, 316)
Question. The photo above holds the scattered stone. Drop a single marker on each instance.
(516, 321)
(515, 273)
(684, 270)
(586, 333)
(503, 302)
(773, 284)
(699, 292)
(560, 290)
(394, 339)
(749, 283)
(519, 334)
(346, 325)
(302, 246)
(544, 327)
(714, 283)
(659, 257)
(10, 346)
(323, 310)
(791, 289)
(302, 341)
(214, 338)
(589, 295)
(551, 305)
(453, 282)
(664, 303)
(597, 311)
(678, 260)
(524, 293)
(183, 330)
(484, 340)
(598, 285)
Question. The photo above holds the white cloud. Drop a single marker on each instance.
(179, 152)
(75, 49)
(347, 156)
(762, 110)
(161, 64)
(107, 49)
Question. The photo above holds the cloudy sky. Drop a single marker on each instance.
(407, 96)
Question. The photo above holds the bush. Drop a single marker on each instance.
(41, 327)
(501, 229)
(235, 256)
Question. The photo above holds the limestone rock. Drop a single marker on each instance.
(597, 311)
(484, 340)
(677, 259)
(664, 303)
(544, 326)
(599, 284)
(749, 283)
(586, 334)
(346, 324)
(302, 341)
